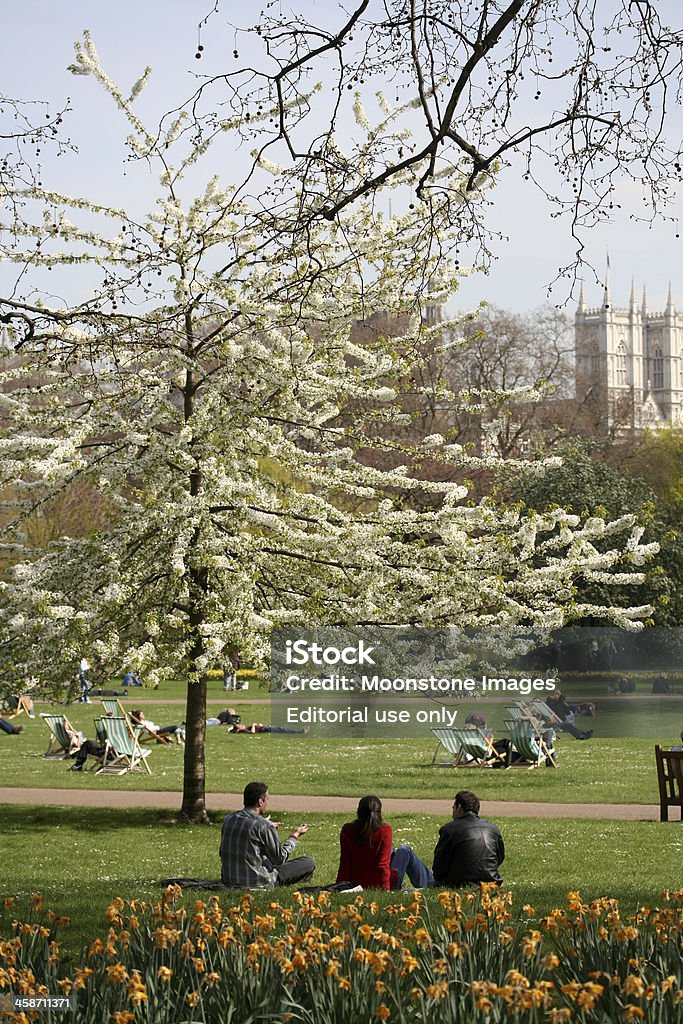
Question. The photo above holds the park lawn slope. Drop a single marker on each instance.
(596, 771)
(81, 859)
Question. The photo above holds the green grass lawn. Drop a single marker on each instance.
(80, 859)
(609, 770)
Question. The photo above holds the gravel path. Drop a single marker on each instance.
(327, 804)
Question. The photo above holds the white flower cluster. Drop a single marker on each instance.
(209, 393)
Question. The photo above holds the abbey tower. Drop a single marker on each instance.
(629, 363)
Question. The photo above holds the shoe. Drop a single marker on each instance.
(587, 735)
(76, 768)
(18, 728)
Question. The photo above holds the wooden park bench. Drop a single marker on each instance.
(670, 775)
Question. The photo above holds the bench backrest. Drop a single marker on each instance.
(670, 777)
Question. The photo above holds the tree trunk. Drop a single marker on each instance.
(194, 770)
(194, 774)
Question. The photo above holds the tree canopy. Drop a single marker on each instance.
(199, 373)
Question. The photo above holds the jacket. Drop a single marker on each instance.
(470, 849)
(368, 865)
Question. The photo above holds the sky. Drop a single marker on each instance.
(38, 37)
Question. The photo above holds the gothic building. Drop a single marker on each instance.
(629, 363)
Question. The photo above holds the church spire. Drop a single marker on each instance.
(644, 309)
(582, 304)
(669, 303)
(607, 301)
(632, 300)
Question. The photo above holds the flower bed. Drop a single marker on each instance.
(322, 961)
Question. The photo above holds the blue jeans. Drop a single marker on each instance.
(405, 861)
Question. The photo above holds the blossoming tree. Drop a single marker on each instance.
(200, 375)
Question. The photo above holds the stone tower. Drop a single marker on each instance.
(629, 363)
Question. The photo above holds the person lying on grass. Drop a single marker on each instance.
(255, 727)
(11, 730)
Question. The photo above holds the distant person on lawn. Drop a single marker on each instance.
(251, 853)
(227, 717)
(83, 681)
(162, 733)
(566, 714)
(470, 849)
(11, 730)
(257, 727)
(130, 679)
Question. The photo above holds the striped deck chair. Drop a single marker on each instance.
(13, 706)
(544, 712)
(468, 747)
(122, 751)
(529, 743)
(521, 711)
(113, 708)
(64, 739)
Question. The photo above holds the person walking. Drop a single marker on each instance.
(83, 669)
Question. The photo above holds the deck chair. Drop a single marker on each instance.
(544, 711)
(13, 706)
(122, 751)
(114, 708)
(670, 777)
(529, 743)
(522, 712)
(64, 739)
(463, 744)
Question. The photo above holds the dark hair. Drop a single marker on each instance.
(369, 818)
(136, 713)
(467, 800)
(253, 792)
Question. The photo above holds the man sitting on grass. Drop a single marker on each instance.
(470, 849)
(252, 855)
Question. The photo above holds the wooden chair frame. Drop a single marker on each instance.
(24, 707)
(461, 743)
(62, 736)
(670, 778)
(122, 751)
